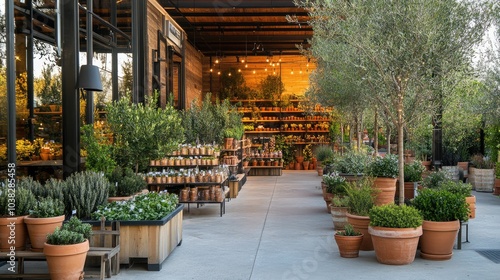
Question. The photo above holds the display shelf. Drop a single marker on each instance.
(257, 132)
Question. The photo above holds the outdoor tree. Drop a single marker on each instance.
(403, 51)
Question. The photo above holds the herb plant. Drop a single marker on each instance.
(47, 207)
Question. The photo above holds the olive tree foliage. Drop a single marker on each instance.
(402, 50)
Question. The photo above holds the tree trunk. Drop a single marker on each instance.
(401, 160)
(388, 140)
(375, 125)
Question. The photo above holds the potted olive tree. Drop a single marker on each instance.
(442, 211)
(395, 231)
(66, 249)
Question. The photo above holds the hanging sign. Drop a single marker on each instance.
(174, 34)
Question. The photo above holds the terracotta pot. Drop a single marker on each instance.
(427, 164)
(339, 217)
(497, 187)
(386, 190)
(438, 239)
(349, 245)
(228, 143)
(299, 159)
(471, 201)
(119, 198)
(38, 228)
(395, 245)
(20, 233)
(320, 171)
(360, 223)
(409, 190)
(66, 262)
(45, 156)
(305, 164)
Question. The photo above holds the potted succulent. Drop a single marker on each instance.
(361, 200)
(442, 211)
(44, 218)
(66, 249)
(385, 171)
(24, 201)
(395, 231)
(349, 241)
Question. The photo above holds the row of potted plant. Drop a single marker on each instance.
(192, 175)
(195, 150)
(183, 161)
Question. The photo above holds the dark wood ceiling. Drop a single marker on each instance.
(242, 28)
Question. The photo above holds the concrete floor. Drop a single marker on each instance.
(278, 228)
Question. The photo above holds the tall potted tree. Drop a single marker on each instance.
(442, 212)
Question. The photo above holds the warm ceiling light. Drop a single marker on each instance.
(265, 69)
(246, 65)
(254, 71)
(211, 70)
(239, 70)
(218, 73)
(217, 60)
(229, 74)
(243, 60)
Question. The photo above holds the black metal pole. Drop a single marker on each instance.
(30, 80)
(114, 58)
(70, 97)
(11, 86)
(89, 108)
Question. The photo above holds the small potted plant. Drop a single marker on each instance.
(66, 249)
(46, 216)
(385, 171)
(339, 207)
(349, 241)
(361, 200)
(334, 186)
(323, 154)
(442, 211)
(395, 231)
(307, 153)
(412, 175)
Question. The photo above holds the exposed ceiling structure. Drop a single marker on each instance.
(238, 28)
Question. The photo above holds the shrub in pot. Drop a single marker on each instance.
(412, 175)
(395, 231)
(24, 201)
(124, 182)
(435, 179)
(84, 192)
(351, 163)
(464, 189)
(442, 211)
(349, 241)
(361, 200)
(46, 216)
(66, 249)
(339, 207)
(385, 171)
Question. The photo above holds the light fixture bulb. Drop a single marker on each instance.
(217, 60)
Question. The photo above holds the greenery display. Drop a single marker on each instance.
(348, 231)
(53, 188)
(323, 153)
(99, 150)
(47, 207)
(361, 196)
(440, 205)
(384, 166)
(24, 200)
(150, 206)
(233, 127)
(435, 179)
(143, 132)
(335, 184)
(287, 149)
(351, 162)
(413, 171)
(84, 192)
(272, 87)
(395, 216)
(72, 232)
(125, 182)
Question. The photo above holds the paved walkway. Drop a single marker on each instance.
(278, 228)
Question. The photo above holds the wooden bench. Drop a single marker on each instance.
(105, 244)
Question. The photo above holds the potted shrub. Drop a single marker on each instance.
(385, 172)
(66, 249)
(349, 241)
(84, 192)
(482, 174)
(442, 212)
(323, 153)
(395, 231)
(124, 184)
(150, 226)
(307, 153)
(434, 179)
(464, 189)
(351, 164)
(361, 200)
(339, 208)
(24, 201)
(334, 185)
(46, 216)
(412, 175)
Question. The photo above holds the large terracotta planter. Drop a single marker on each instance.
(38, 228)
(66, 262)
(471, 201)
(395, 245)
(360, 223)
(484, 180)
(349, 245)
(328, 200)
(18, 231)
(386, 190)
(438, 239)
(339, 217)
(409, 190)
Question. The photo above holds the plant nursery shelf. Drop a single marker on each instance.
(261, 132)
(187, 166)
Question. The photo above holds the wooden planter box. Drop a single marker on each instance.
(150, 240)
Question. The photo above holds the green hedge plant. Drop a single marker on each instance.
(435, 179)
(440, 205)
(395, 216)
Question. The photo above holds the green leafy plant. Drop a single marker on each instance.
(351, 162)
(384, 166)
(47, 207)
(361, 196)
(348, 231)
(23, 197)
(434, 179)
(150, 206)
(440, 205)
(125, 182)
(395, 216)
(461, 188)
(307, 153)
(72, 232)
(99, 150)
(323, 153)
(413, 171)
(497, 170)
(84, 192)
(335, 184)
(340, 201)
